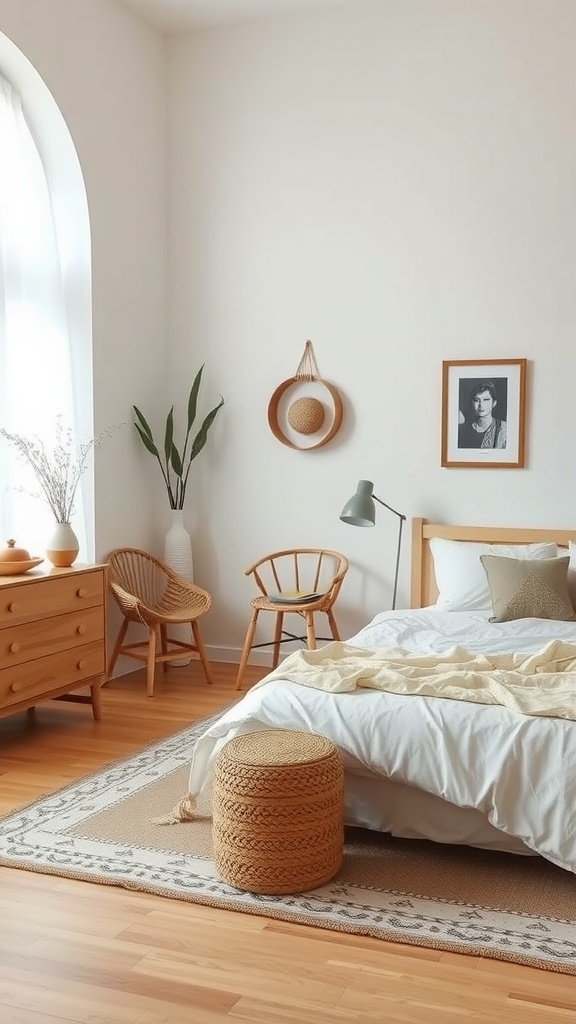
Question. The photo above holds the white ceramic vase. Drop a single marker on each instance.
(178, 555)
(62, 546)
(178, 547)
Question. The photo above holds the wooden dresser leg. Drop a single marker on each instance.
(96, 700)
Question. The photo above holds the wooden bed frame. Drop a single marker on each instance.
(423, 590)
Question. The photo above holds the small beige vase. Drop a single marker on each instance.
(62, 546)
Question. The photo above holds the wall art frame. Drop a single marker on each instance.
(483, 413)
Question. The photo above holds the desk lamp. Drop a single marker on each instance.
(360, 510)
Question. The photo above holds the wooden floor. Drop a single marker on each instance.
(96, 954)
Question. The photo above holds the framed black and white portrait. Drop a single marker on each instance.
(483, 413)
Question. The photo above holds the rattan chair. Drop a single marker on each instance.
(301, 581)
(148, 592)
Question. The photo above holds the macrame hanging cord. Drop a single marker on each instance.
(307, 367)
(305, 415)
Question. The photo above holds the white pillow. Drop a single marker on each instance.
(460, 577)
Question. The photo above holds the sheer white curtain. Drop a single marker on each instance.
(36, 378)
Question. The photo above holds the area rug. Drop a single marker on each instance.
(507, 907)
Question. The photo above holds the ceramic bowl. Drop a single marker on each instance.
(17, 568)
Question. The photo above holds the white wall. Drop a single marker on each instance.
(396, 182)
(107, 72)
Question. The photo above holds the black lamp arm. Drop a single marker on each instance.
(400, 525)
(389, 507)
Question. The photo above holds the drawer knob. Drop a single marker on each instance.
(82, 592)
(81, 664)
(81, 630)
(14, 648)
(47, 682)
(13, 607)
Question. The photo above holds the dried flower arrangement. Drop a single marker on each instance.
(57, 467)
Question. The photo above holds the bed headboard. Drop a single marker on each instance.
(423, 590)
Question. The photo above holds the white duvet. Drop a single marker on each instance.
(517, 770)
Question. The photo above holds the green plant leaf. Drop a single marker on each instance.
(147, 442)
(143, 422)
(202, 435)
(193, 399)
(176, 461)
(169, 434)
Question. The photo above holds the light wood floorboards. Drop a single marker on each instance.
(96, 954)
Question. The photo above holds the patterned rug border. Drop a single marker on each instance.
(265, 906)
(294, 917)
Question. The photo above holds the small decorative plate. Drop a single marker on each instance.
(293, 597)
(17, 568)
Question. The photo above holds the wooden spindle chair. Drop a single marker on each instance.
(301, 581)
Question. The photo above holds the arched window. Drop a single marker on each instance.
(45, 315)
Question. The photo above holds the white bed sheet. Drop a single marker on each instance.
(431, 630)
(410, 813)
(516, 773)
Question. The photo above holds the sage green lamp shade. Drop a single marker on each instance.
(360, 509)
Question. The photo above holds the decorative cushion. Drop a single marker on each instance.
(527, 588)
(460, 578)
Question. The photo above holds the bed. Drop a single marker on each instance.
(429, 767)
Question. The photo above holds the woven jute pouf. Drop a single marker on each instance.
(278, 811)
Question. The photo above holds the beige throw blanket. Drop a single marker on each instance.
(541, 684)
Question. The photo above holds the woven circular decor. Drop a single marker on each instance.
(278, 811)
(305, 415)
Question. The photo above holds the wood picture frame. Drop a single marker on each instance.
(483, 413)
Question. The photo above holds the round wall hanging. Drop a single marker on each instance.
(305, 414)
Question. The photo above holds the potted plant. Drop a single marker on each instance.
(175, 462)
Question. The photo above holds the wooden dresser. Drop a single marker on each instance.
(52, 637)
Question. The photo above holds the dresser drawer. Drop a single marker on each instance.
(38, 678)
(48, 636)
(51, 596)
